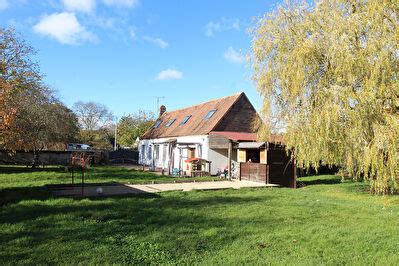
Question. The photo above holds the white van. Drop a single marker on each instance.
(77, 146)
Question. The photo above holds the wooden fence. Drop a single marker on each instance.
(255, 172)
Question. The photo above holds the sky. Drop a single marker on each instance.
(126, 53)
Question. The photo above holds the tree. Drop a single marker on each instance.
(32, 117)
(64, 124)
(41, 123)
(133, 126)
(18, 75)
(95, 123)
(329, 72)
(91, 115)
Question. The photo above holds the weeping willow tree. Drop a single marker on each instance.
(328, 72)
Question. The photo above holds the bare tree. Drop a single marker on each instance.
(92, 116)
(95, 121)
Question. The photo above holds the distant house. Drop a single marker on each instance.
(209, 138)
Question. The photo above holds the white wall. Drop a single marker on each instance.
(144, 156)
(218, 157)
(219, 160)
(147, 156)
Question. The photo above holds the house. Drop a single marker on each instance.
(210, 138)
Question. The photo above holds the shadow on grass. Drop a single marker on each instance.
(18, 194)
(318, 180)
(351, 185)
(357, 187)
(322, 181)
(132, 230)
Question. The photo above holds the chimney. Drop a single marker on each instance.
(162, 110)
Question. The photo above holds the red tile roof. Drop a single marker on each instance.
(196, 125)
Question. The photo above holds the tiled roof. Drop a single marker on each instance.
(196, 124)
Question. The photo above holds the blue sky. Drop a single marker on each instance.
(125, 53)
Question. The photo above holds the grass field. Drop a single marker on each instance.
(325, 222)
(16, 183)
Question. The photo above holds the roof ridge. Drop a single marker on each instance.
(198, 104)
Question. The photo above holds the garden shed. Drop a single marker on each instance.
(266, 162)
(248, 159)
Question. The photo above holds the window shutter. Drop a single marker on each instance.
(263, 156)
(242, 156)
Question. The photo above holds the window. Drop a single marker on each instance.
(143, 151)
(156, 149)
(157, 123)
(149, 153)
(185, 120)
(170, 122)
(199, 150)
(164, 152)
(210, 114)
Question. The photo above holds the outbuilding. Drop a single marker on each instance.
(212, 138)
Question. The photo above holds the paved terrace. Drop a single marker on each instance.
(122, 189)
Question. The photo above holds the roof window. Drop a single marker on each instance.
(157, 123)
(210, 114)
(185, 120)
(170, 122)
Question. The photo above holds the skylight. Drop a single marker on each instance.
(210, 114)
(185, 120)
(170, 122)
(157, 123)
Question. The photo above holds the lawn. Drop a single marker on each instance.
(324, 222)
(16, 182)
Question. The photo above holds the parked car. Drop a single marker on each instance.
(77, 146)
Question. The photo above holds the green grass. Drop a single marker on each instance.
(18, 182)
(17, 176)
(324, 222)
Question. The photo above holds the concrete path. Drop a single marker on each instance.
(197, 186)
(121, 189)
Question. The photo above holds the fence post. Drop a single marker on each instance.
(240, 171)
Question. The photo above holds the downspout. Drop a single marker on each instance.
(229, 154)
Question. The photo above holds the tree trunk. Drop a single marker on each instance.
(35, 161)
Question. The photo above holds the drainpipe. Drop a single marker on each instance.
(180, 161)
(229, 153)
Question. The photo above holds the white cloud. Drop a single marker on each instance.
(233, 56)
(86, 6)
(122, 3)
(132, 34)
(169, 74)
(64, 27)
(108, 23)
(157, 41)
(3, 4)
(224, 24)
